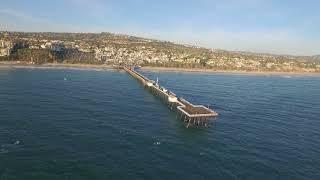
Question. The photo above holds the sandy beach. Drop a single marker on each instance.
(5, 64)
(225, 71)
(53, 66)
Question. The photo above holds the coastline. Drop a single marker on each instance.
(55, 66)
(173, 69)
(6, 64)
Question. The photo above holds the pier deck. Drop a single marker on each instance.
(192, 115)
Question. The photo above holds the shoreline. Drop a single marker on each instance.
(173, 69)
(4, 64)
(56, 66)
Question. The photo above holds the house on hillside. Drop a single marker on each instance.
(5, 47)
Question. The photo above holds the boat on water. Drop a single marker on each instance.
(137, 67)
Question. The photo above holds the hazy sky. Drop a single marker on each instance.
(274, 26)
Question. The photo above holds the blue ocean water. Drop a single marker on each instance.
(102, 124)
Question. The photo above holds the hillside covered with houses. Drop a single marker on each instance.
(107, 48)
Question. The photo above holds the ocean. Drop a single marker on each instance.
(102, 124)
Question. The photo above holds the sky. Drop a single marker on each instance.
(266, 26)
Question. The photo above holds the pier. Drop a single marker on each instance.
(191, 115)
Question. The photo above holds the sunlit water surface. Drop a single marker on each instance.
(102, 124)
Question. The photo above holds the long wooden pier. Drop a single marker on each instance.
(191, 115)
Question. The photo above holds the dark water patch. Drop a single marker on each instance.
(74, 124)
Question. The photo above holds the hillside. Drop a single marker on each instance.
(107, 48)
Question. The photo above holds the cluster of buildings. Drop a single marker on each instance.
(5, 47)
(114, 49)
